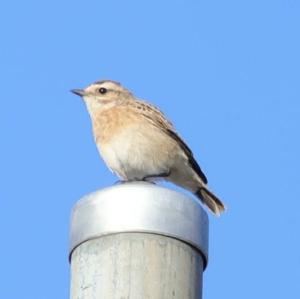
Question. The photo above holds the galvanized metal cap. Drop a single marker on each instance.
(140, 207)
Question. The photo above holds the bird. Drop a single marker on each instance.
(138, 143)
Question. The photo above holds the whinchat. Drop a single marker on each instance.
(138, 143)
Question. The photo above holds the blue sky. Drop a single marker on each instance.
(226, 72)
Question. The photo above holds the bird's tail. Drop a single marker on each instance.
(209, 199)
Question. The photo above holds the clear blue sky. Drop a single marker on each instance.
(226, 72)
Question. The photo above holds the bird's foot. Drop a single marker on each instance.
(148, 178)
(120, 182)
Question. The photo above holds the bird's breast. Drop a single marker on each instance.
(109, 124)
(131, 146)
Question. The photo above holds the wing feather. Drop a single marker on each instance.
(158, 119)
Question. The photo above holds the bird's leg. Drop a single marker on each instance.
(146, 178)
(159, 175)
(125, 181)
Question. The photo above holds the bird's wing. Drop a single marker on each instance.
(189, 154)
(158, 119)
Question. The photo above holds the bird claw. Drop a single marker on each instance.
(121, 182)
(155, 176)
(147, 178)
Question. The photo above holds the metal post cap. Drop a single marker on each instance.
(140, 207)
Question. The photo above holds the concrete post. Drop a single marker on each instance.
(138, 241)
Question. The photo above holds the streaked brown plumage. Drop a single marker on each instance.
(137, 142)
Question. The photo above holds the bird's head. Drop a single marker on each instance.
(102, 94)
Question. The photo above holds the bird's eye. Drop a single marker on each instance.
(102, 90)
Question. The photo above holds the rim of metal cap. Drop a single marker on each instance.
(140, 207)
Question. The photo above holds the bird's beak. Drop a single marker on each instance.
(79, 92)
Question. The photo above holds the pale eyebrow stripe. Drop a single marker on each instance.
(110, 81)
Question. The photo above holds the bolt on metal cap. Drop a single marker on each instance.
(140, 207)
